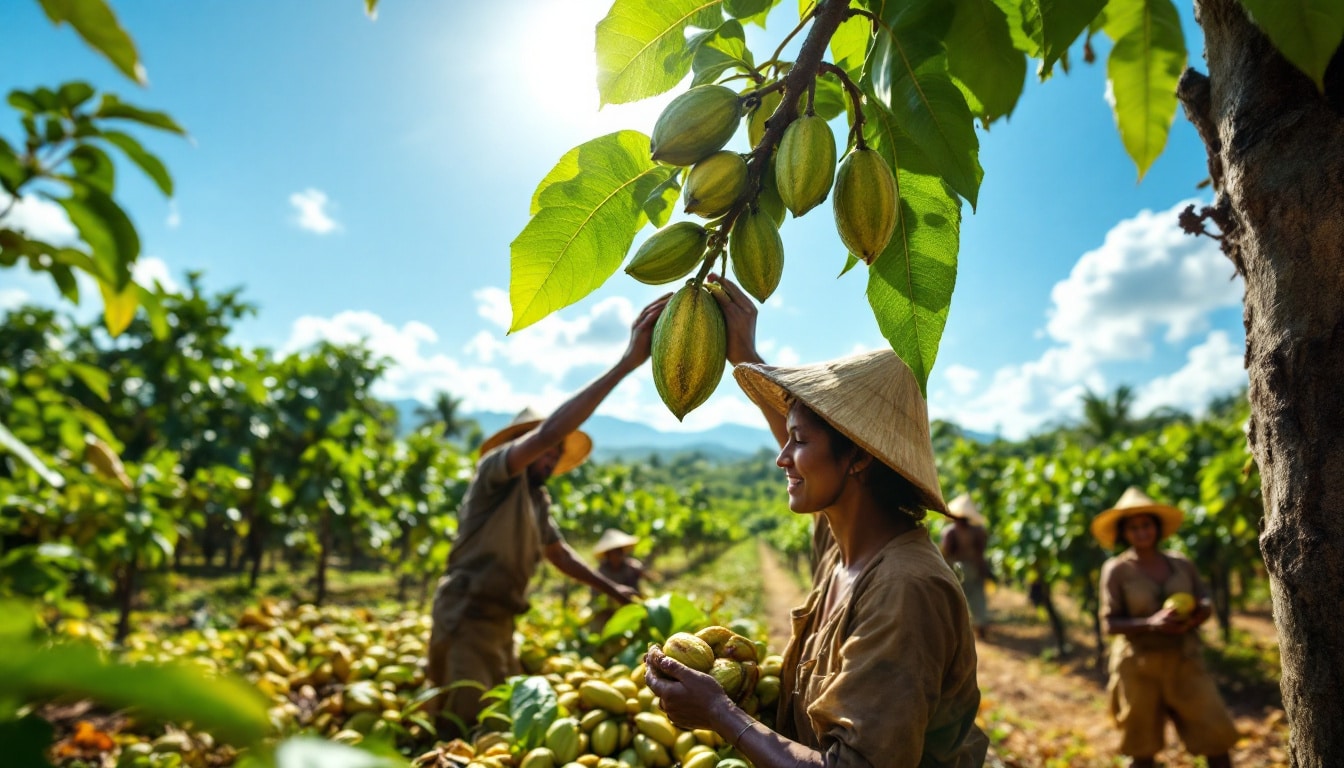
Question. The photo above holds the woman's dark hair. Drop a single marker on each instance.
(888, 486)
(1120, 526)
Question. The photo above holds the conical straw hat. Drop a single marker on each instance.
(614, 539)
(963, 507)
(1134, 502)
(872, 398)
(577, 444)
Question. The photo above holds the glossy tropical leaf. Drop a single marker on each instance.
(12, 444)
(144, 160)
(108, 231)
(663, 200)
(533, 706)
(119, 306)
(719, 51)
(93, 167)
(112, 107)
(982, 57)
(94, 21)
(1053, 25)
(586, 218)
(849, 46)
(749, 11)
(910, 76)
(641, 46)
(1146, 61)
(1306, 32)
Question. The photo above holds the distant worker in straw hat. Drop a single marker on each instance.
(963, 544)
(881, 667)
(504, 529)
(614, 562)
(1153, 601)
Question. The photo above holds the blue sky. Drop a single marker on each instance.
(363, 179)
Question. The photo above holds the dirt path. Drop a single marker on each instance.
(1042, 713)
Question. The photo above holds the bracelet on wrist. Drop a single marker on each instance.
(738, 737)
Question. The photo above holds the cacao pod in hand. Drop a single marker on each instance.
(805, 164)
(696, 124)
(757, 253)
(690, 346)
(715, 183)
(669, 254)
(865, 204)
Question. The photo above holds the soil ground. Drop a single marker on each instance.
(1044, 712)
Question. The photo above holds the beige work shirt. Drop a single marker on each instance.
(889, 679)
(1129, 593)
(503, 528)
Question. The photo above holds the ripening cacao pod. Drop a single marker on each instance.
(690, 345)
(669, 254)
(757, 117)
(757, 253)
(715, 183)
(106, 463)
(728, 674)
(562, 738)
(865, 204)
(716, 636)
(805, 164)
(689, 650)
(696, 124)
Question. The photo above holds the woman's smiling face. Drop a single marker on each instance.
(815, 474)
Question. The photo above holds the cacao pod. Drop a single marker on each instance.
(690, 346)
(805, 164)
(603, 738)
(690, 650)
(1183, 603)
(656, 727)
(715, 183)
(695, 125)
(562, 738)
(865, 204)
(596, 694)
(650, 752)
(669, 254)
(738, 648)
(716, 636)
(701, 760)
(767, 690)
(540, 757)
(757, 253)
(757, 117)
(728, 674)
(772, 665)
(106, 463)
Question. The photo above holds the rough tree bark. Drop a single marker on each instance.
(1276, 159)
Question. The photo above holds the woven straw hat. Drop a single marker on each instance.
(577, 444)
(872, 398)
(614, 539)
(964, 508)
(1134, 502)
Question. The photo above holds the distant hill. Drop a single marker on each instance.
(615, 438)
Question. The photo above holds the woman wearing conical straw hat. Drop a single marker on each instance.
(614, 562)
(881, 666)
(1153, 601)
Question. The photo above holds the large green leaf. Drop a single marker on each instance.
(982, 57)
(533, 706)
(1053, 25)
(93, 167)
(849, 46)
(719, 51)
(98, 25)
(1306, 32)
(749, 11)
(641, 45)
(147, 162)
(910, 75)
(227, 707)
(12, 444)
(585, 219)
(108, 231)
(910, 283)
(1145, 63)
(663, 200)
(113, 108)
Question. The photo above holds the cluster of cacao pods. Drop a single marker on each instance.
(733, 661)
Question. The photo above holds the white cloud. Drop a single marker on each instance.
(311, 208)
(775, 354)
(149, 270)
(1147, 281)
(560, 342)
(174, 219)
(1212, 369)
(39, 219)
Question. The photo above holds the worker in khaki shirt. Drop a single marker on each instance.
(504, 529)
(881, 666)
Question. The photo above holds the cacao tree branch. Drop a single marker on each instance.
(855, 98)
(774, 57)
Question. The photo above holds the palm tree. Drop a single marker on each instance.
(445, 410)
(1106, 417)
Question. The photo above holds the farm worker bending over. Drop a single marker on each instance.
(504, 528)
(881, 667)
(1153, 601)
(964, 544)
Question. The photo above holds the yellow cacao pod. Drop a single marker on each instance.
(596, 694)
(656, 727)
(715, 183)
(716, 636)
(696, 124)
(540, 757)
(805, 164)
(690, 346)
(701, 760)
(758, 116)
(106, 463)
(865, 204)
(690, 650)
(562, 738)
(738, 648)
(650, 752)
(669, 254)
(682, 746)
(772, 665)
(757, 253)
(728, 674)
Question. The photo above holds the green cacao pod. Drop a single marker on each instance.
(702, 760)
(865, 204)
(805, 164)
(767, 690)
(657, 727)
(715, 183)
(540, 757)
(596, 694)
(604, 737)
(689, 650)
(696, 124)
(757, 253)
(738, 648)
(690, 346)
(728, 674)
(562, 738)
(756, 118)
(669, 254)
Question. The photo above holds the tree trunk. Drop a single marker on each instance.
(1276, 160)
